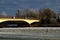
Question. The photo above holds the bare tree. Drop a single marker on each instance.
(18, 14)
(46, 15)
(30, 13)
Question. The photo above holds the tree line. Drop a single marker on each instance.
(45, 16)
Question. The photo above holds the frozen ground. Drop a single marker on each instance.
(31, 33)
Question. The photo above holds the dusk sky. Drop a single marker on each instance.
(11, 6)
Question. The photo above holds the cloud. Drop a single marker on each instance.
(4, 13)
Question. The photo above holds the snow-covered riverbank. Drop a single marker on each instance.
(32, 32)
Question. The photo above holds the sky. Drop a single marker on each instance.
(11, 6)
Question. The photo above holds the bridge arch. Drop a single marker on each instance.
(35, 24)
(14, 24)
(27, 22)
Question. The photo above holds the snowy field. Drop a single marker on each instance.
(30, 33)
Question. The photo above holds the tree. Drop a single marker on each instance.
(47, 16)
(30, 13)
(18, 15)
(26, 12)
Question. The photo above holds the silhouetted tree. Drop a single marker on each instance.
(30, 14)
(18, 14)
(47, 16)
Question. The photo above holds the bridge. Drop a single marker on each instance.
(26, 20)
(29, 21)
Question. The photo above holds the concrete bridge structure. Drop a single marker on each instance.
(29, 21)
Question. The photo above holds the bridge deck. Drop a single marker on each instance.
(26, 20)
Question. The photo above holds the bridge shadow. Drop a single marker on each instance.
(14, 24)
(35, 24)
